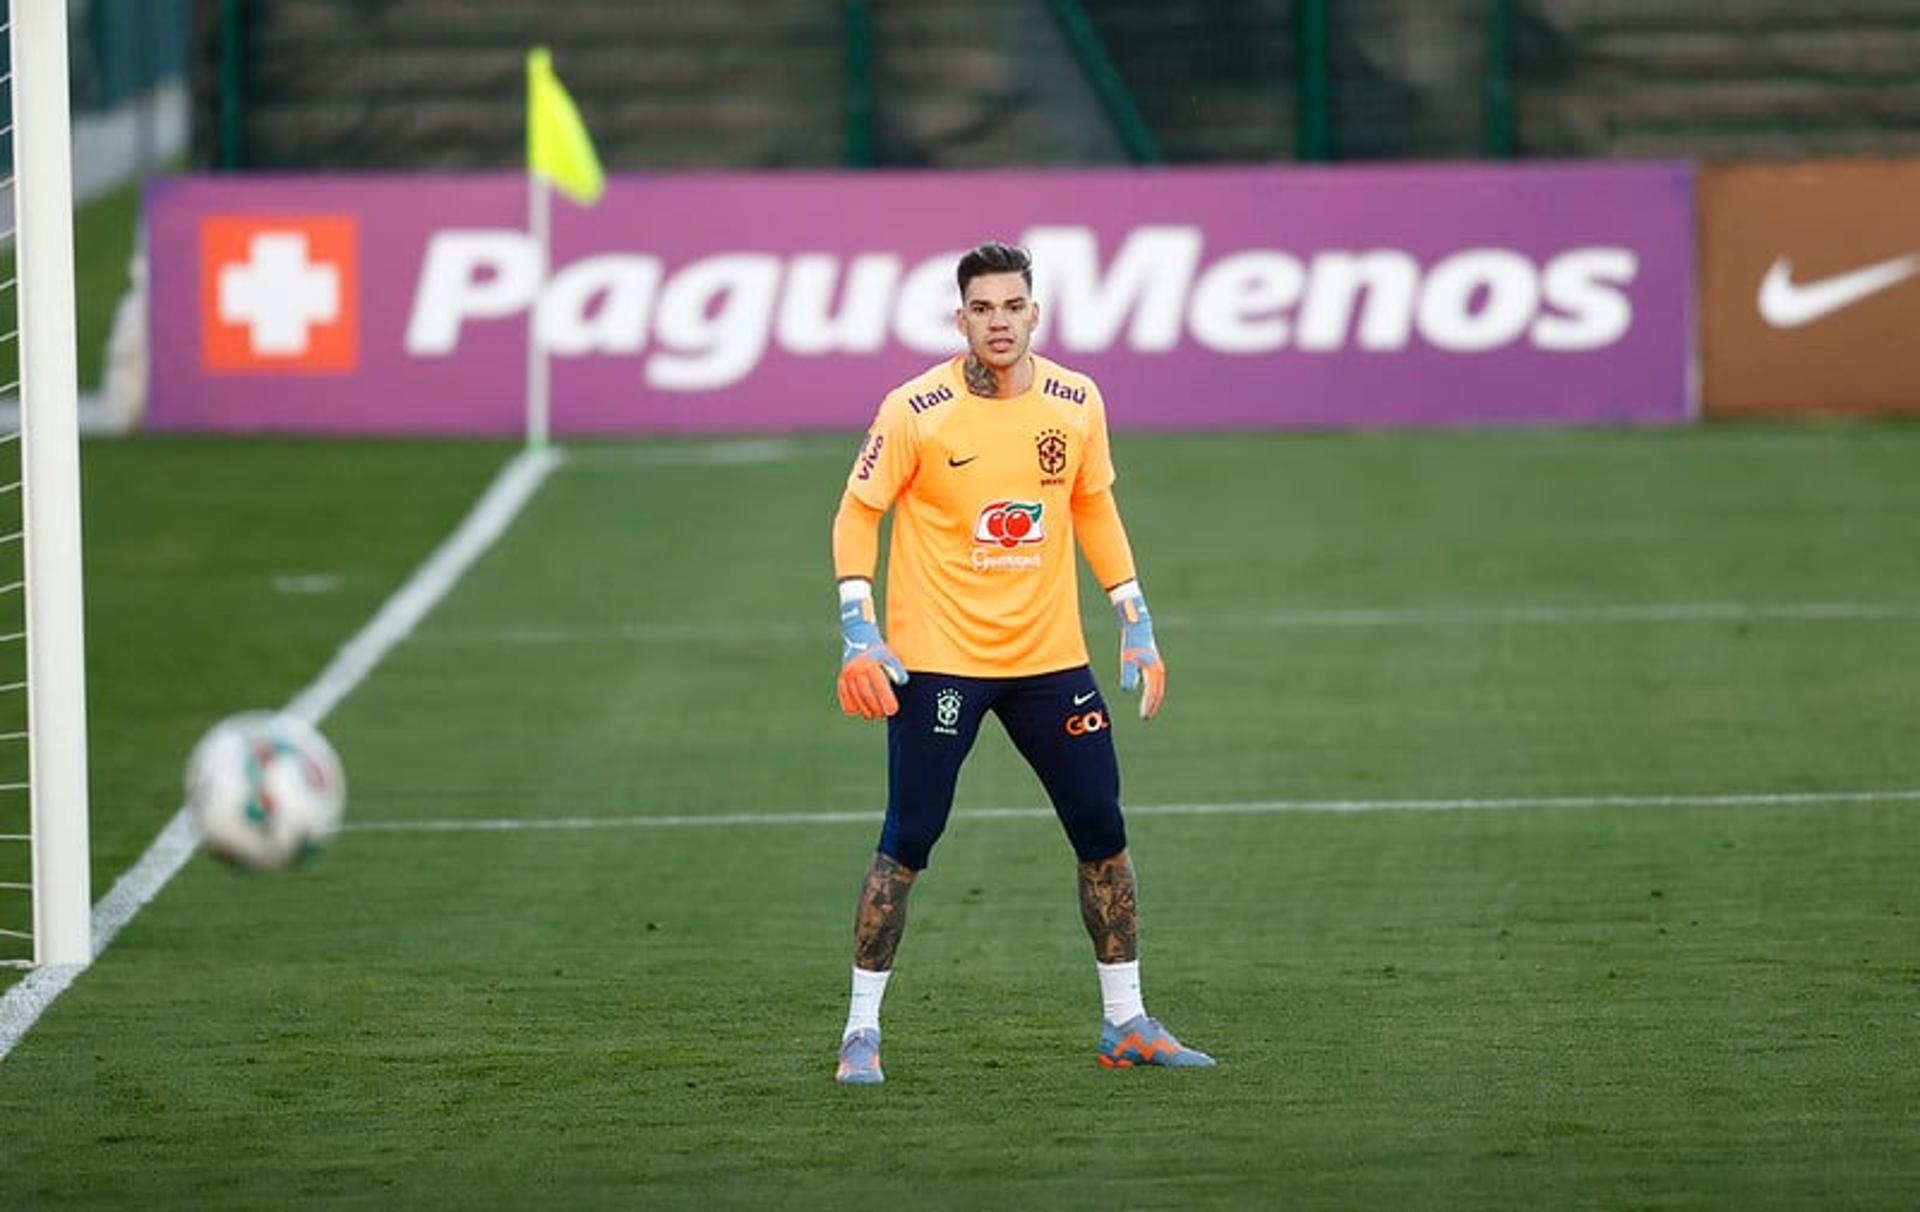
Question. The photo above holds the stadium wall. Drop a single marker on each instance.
(1251, 297)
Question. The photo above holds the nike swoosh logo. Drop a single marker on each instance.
(1080, 699)
(953, 462)
(1787, 304)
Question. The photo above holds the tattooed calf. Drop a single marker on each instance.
(880, 917)
(1110, 906)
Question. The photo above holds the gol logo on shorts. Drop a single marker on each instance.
(1086, 722)
(1009, 523)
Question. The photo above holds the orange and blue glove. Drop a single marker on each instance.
(1140, 665)
(868, 669)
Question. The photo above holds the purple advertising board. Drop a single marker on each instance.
(1205, 297)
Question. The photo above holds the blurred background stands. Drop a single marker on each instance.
(436, 84)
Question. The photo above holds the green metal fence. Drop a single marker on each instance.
(1316, 79)
(788, 83)
(1399, 79)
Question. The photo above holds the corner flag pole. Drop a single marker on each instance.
(560, 152)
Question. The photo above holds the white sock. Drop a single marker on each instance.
(1120, 991)
(864, 1008)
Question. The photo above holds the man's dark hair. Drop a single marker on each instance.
(994, 258)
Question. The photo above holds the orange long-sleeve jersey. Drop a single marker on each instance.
(988, 497)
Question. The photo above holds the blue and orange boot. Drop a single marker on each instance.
(860, 1059)
(1143, 1041)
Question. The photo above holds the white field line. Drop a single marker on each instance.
(1645, 612)
(22, 1005)
(718, 452)
(720, 820)
(534, 634)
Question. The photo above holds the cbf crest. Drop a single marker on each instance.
(1051, 446)
(946, 712)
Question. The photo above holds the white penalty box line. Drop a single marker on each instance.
(725, 820)
(537, 633)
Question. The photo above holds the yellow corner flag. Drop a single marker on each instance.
(558, 147)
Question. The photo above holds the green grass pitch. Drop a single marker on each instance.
(1681, 1004)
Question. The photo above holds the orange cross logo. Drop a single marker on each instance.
(279, 293)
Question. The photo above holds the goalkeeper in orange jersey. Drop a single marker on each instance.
(994, 463)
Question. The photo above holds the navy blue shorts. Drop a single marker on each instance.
(1057, 721)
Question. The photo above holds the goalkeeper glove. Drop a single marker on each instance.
(1140, 665)
(868, 669)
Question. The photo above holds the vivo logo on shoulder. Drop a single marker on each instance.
(1060, 391)
(922, 401)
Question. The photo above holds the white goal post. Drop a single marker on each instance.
(50, 482)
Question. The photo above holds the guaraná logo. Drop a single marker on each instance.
(1009, 523)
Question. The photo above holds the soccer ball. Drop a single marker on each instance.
(265, 789)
